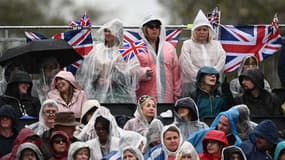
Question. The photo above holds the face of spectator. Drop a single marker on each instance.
(250, 63)
(82, 154)
(49, 114)
(50, 69)
(235, 156)
(62, 85)
(247, 84)
(23, 88)
(127, 155)
(201, 34)
(152, 30)
(59, 144)
(282, 156)
(6, 122)
(171, 140)
(184, 112)
(209, 79)
(28, 154)
(262, 144)
(213, 147)
(109, 37)
(186, 157)
(224, 124)
(148, 109)
(101, 131)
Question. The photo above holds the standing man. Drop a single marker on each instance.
(161, 74)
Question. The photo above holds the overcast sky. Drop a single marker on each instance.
(131, 12)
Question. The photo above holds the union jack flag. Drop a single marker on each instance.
(30, 36)
(172, 36)
(214, 17)
(83, 22)
(132, 48)
(261, 41)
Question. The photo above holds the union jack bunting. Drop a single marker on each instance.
(261, 41)
(132, 48)
(30, 36)
(83, 22)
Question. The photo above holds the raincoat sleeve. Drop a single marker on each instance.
(176, 78)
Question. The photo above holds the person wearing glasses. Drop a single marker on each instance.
(46, 117)
(160, 70)
(59, 145)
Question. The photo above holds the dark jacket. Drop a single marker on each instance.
(263, 105)
(24, 104)
(210, 104)
(266, 129)
(8, 111)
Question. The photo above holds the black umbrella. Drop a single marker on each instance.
(31, 54)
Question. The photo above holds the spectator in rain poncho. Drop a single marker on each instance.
(88, 108)
(187, 151)
(104, 74)
(262, 141)
(6, 72)
(145, 113)
(59, 145)
(129, 139)
(49, 68)
(171, 142)
(232, 153)
(18, 95)
(161, 74)
(279, 153)
(248, 62)
(105, 142)
(67, 93)
(29, 151)
(46, 117)
(225, 121)
(80, 151)
(201, 50)
(244, 126)
(186, 116)
(131, 153)
(88, 132)
(153, 135)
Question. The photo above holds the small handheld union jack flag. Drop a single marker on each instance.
(132, 48)
(84, 21)
(214, 17)
(275, 24)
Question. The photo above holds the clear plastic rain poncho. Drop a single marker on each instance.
(104, 74)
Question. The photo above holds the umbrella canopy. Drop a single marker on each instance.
(30, 55)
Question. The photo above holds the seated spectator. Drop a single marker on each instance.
(18, 95)
(244, 126)
(213, 143)
(29, 151)
(226, 122)
(64, 121)
(187, 152)
(153, 135)
(248, 62)
(80, 151)
(186, 117)
(279, 153)
(25, 135)
(104, 143)
(67, 93)
(262, 141)
(259, 101)
(59, 144)
(145, 113)
(132, 153)
(171, 142)
(8, 128)
(209, 99)
(46, 117)
(233, 153)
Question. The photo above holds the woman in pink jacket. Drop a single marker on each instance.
(161, 78)
(67, 93)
